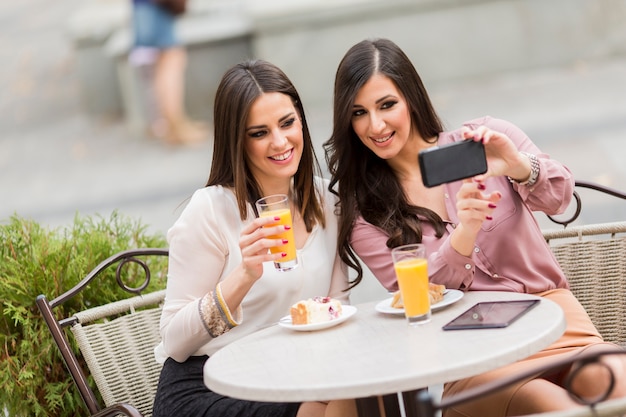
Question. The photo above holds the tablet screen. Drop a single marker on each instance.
(491, 314)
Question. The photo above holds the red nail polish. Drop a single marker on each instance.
(287, 227)
(488, 217)
(283, 254)
(277, 218)
(285, 241)
(491, 205)
(481, 187)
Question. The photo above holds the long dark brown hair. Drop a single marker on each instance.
(239, 88)
(364, 182)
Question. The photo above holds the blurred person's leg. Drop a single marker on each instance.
(154, 28)
(169, 86)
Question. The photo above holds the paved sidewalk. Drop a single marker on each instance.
(56, 161)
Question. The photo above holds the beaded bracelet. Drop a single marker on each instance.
(215, 315)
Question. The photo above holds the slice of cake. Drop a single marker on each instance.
(315, 310)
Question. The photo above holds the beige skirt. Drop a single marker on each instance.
(580, 334)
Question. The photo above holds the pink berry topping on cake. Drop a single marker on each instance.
(315, 310)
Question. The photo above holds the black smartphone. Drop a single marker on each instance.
(491, 315)
(452, 162)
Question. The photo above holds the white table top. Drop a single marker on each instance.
(374, 353)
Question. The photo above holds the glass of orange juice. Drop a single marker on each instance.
(278, 206)
(411, 266)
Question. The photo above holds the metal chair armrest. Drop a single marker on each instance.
(428, 407)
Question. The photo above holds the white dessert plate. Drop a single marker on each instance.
(449, 297)
(347, 311)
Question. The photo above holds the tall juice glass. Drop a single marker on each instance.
(278, 206)
(411, 268)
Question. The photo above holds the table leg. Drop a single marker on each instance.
(380, 406)
(417, 403)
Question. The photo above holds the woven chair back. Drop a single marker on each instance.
(120, 351)
(593, 258)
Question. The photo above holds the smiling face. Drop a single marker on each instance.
(274, 140)
(381, 118)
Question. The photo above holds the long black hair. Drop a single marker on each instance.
(365, 183)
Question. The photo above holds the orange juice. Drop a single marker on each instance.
(412, 274)
(285, 219)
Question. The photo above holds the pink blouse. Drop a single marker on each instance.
(510, 253)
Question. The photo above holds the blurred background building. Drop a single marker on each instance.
(73, 105)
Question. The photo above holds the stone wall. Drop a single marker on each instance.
(113, 83)
(446, 39)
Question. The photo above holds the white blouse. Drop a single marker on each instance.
(204, 248)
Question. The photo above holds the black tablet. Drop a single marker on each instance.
(491, 314)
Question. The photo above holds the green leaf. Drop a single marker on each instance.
(36, 260)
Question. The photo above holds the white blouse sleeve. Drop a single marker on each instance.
(197, 253)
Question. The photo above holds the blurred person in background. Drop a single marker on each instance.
(154, 30)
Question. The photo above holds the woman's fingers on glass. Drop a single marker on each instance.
(259, 228)
(259, 233)
(260, 250)
(255, 226)
(273, 231)
(263, 221)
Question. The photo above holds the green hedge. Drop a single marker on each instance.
(35, 260)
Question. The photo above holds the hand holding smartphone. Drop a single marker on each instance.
(452, 162)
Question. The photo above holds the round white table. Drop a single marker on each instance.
(373, 353)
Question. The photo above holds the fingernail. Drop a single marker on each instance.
(285, 241)
(488, 217)
(277, 218)
(283, 254)
(287, 227)
(491, 205)
(482, 187)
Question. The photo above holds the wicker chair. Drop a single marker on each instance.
(593, 258)
(595, 265)
(116, 341)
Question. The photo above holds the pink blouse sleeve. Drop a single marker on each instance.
(445, 265)
(195, 259)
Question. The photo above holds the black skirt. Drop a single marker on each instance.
(181, 392)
